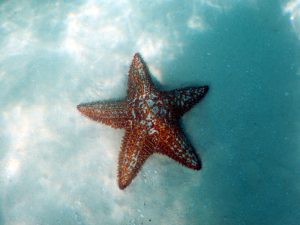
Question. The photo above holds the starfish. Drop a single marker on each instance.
(150, 118)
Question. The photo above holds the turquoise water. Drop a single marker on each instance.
(57, 167)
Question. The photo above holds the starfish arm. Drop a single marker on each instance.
(114, 114)
(182, 100)
(134, 152)
(139, 81)
(172, 142)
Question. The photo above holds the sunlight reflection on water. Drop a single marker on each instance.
(293, 9)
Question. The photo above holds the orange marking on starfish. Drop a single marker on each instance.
(150, 119)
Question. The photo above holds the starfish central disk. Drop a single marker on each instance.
(150, 119)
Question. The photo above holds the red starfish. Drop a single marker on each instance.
(150, 119)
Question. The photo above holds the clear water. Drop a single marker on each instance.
(57, 167)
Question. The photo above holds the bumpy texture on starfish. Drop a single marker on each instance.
(150, 119)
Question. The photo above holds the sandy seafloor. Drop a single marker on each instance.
(58, 167)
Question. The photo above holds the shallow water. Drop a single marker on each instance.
(57, 167)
